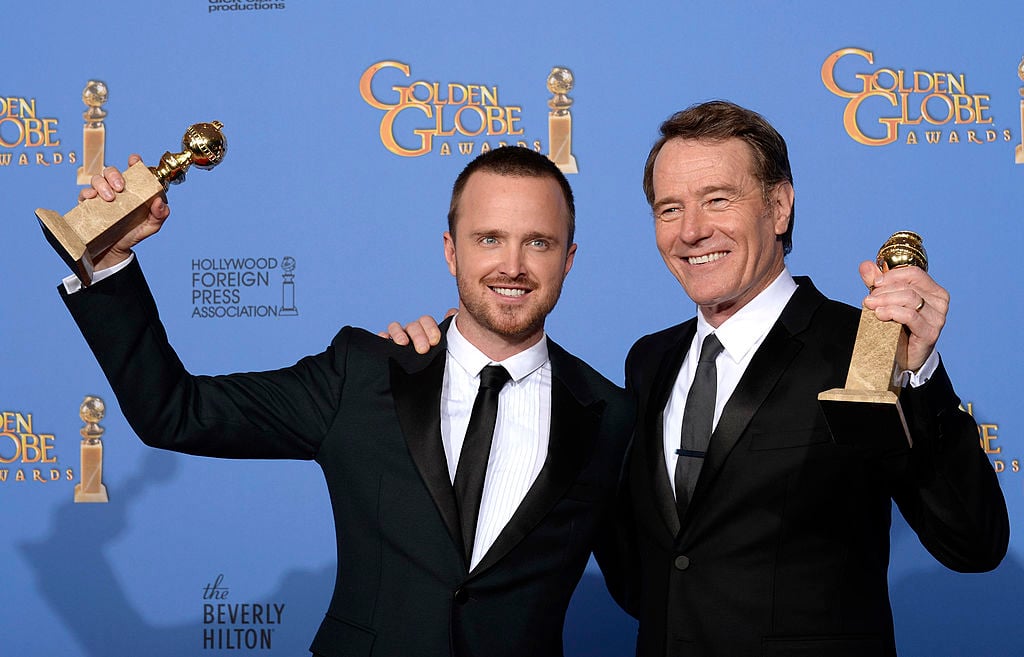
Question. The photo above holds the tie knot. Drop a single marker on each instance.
(494, 377)
(710, 349)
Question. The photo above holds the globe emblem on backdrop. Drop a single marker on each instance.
(560, 81)
(95, 93)
(92, 410)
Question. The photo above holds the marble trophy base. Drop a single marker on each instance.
(91, 496)
(91, 488)
(560, 140)
(94, 225)
(868, 408)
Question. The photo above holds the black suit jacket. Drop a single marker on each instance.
(368, 412)
(784, 548)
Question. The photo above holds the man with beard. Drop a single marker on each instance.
(754, 533)
(470, 484)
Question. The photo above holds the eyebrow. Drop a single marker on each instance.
(539, 235)
(703, 191)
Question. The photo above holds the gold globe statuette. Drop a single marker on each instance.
(91, 488)
(94, 225)
(868, 407)
(560, 83)
(94, 133)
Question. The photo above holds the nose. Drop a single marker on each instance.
(694, 226)
(512, 261)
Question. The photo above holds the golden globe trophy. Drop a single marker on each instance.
(94, 225)
(91, 488)
(560, 83)
(869, 405)
(94, 133)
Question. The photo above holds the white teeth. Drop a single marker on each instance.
(704, 259)
(509, 292)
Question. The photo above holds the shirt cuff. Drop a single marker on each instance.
(923, 373)
(72, 284)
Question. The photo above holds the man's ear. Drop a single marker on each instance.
(781, 200)
(449, 251)
(569, 257)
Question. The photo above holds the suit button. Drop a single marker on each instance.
(682, 562)
(461, 596)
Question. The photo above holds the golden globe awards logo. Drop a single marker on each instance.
(27, 136)
(988, 437)
(27, 453)
(888, 104)
(423, 116)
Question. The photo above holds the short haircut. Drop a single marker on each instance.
(719, 120)
(517, 162)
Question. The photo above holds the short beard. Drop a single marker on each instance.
(514, 324)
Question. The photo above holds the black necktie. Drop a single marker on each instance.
(476, 449)
(698, 416)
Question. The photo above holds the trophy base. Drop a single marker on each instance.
(98, 496)
(567, 165)
(94, 225)
(857, 416)
(85, 177)
(66, 242)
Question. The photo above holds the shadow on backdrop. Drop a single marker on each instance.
(941, 613)
(73, 574)
(595, 626)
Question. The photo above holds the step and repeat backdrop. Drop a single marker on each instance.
(346, 124)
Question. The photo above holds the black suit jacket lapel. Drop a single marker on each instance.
(417, 396)
(771, 361)
(671, 362)
(575, 417)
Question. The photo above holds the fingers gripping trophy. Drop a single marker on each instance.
(869, 405)
(92, 226)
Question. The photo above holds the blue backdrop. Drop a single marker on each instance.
(898, 116)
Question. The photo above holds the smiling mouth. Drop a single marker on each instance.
(704, 259)
(509, 291)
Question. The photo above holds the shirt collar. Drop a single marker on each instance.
(472, 360)
(748, 326)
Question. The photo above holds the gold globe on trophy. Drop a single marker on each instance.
(94, 225)
(903, 249)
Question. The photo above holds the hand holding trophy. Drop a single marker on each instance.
(869, 405)
(94, 225)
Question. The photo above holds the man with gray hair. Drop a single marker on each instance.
(746, 529)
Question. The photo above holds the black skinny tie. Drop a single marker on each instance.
(698, 416)
(476, 449)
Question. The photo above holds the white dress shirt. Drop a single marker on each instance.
(521, 433)
(740, 336)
